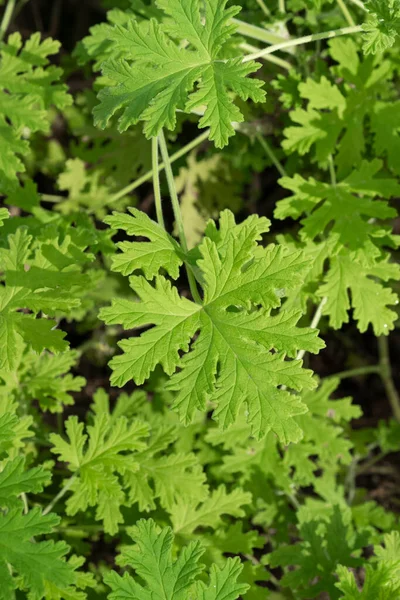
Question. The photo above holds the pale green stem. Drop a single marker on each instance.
(314, 323)
(20, 6)
(7, 16)
(156, 182)
(52, 198)
(276, 60)
(386, 375)
(271, 154)
(282, 7)
(147, 176)
(356, 372)
(326, 35)
(177, 212)
(264, 7)
(346, 12)
(25, 503)
(371, 462)
(60, 495)
(257, 33)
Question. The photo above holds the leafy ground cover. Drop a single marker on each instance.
(199, 284)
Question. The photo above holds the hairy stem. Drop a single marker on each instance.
(370, 463)
(7, 16)
(326, 35)
(177, 212)
(271, 154)
(314, 323)
(147, 176)
(346, 12)
(264, 7)
(357, 372)
(60, 495)
(276, 60)
(386, 375)
(156, 182)
(257, 33)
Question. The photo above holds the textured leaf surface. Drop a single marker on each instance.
(168, 579)
(230, 362)
(157, 75)
(37, 563)
(382, 26)
(96, 458)
(28, 87)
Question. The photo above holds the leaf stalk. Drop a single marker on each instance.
(177, 212)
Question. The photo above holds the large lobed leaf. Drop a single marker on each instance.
(168, 579)
(234, 349)
(157, 75)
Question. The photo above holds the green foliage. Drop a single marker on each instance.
(165, 578)
(143, 94)
(230, 465)
(381, 575)
(382, 26)
(318, 555)
(347, 215)
(334, 122)
(96, 457)
(29, 86)
(231, 361)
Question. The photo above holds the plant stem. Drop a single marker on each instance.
(326, 35)
(25, 503)
(156, 182)
(7, 16)
(147, 176)
(357, 372)
(370, 463)
(282, 7)
(264, 7)
(257, 33)
(346, 13)
(271, 154)
(177, 212)
(314, 323)
(386, 375)
(60, 495)
(52, 198)
(276, 60)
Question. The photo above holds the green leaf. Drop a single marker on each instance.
(353, 281)
(160, 252)
(166, 579)
(323, 547)
(4, 214)
(382, 26)
(28, 87)
(162, 473)
(96, 459)
(157, 75)
(186, 517)
(346, 208)
(14, 480)
(240, 355)
(382, 574)
(42, 272)
(37, 563)
(335, 121)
